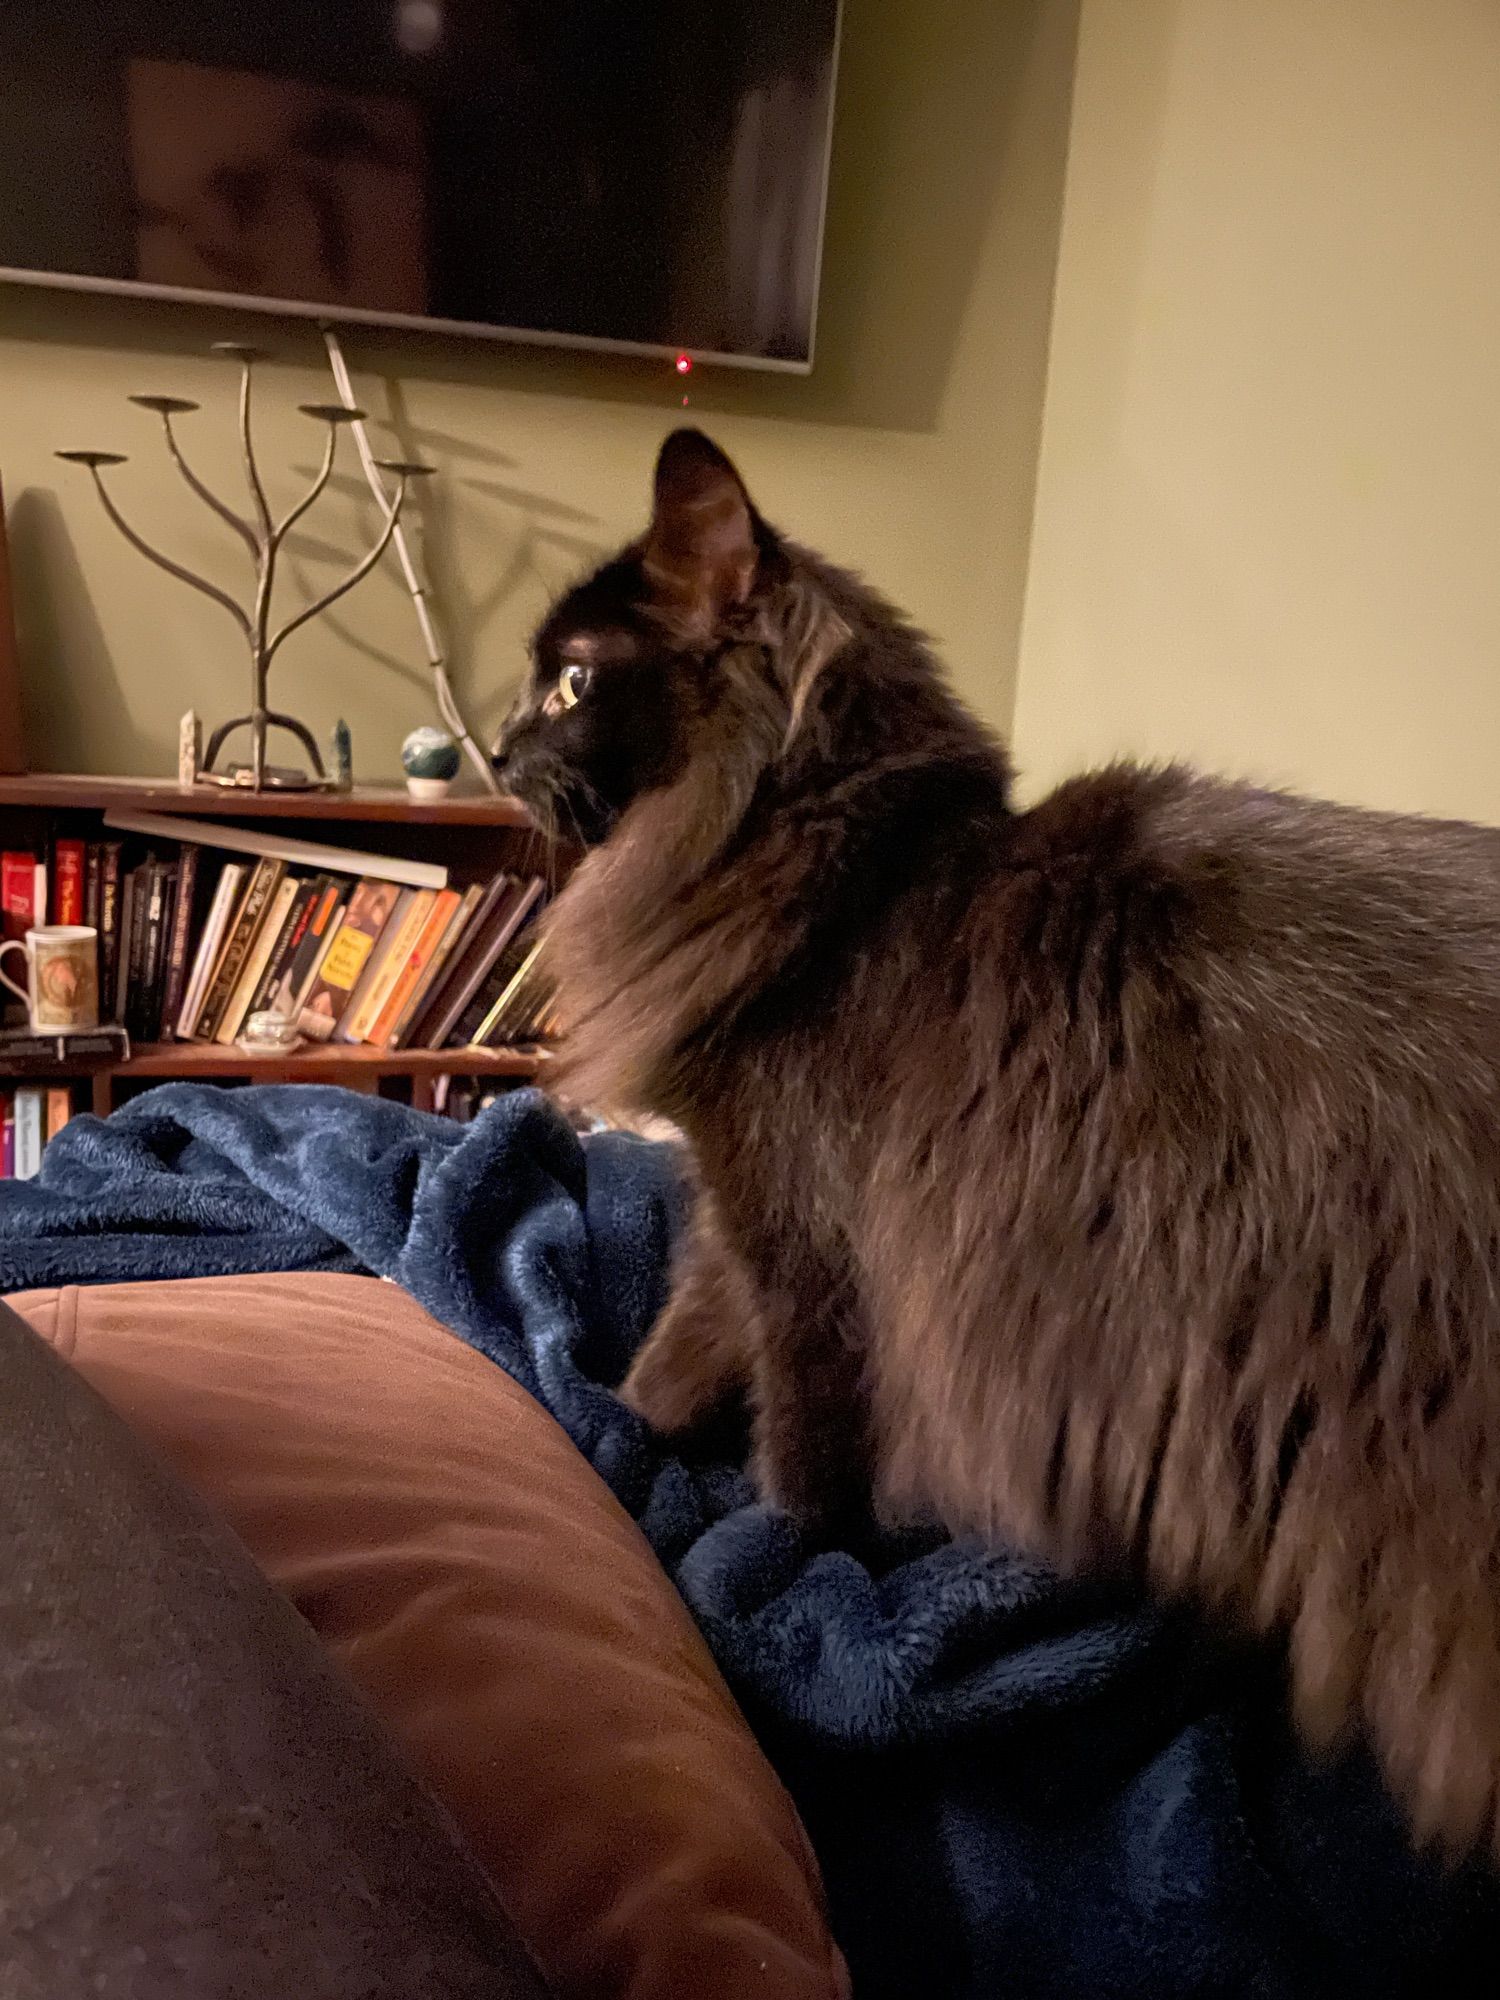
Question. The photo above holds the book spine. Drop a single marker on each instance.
(7, 1137)
(247, 921)
(91, 876)
(344, 965)
(325, 914)
(408, 1021)
(174, 985)
(444, 907)
(288, 937)
(29, 1123)
(485, 1017)
(210, 944)
(59, 1109)
(125, 944)
(142, 890)
(265, 938)
(109, 921)
(67, 881)
(408, 1024)
(333, 923)
(439, 1005)
(158, 938)
(17, 888)
(509, 919)
(396, 944)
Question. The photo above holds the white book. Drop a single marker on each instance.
(255, 963)
(215, 924)
(30, 1126)
(277, 847)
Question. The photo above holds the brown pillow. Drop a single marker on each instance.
(496, 1606)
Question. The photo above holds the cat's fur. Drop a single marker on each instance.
(1121, 1176)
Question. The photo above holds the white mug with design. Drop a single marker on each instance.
(62, 977)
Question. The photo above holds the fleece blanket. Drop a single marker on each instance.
(1016, 1786)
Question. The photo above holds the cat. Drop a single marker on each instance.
(1119, 1177)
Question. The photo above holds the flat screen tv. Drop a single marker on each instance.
(646, 175)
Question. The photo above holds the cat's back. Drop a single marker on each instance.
(1287, 925)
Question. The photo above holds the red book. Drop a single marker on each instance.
(67, 882)
(18, 893)
(7, 1137)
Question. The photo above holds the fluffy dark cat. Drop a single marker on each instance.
(1120, 1176)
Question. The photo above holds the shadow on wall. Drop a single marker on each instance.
(55, 621)
(535, 543)
(927, 99)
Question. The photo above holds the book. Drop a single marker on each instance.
(387, 962)
(261, 947)
(30, 1121)
(511, 912)
(109, 922)
(149, 950)
(445, 907)
(210, 944)
(17, 888)
(278, 847)
(243, 929)
(369, 908)
(465, 1030)
(325, 915)
(374, 965)
(184, 900)
(511, 1011)
(429, 979)
(293, 926)
(142, 883)
(7, 1137)
(17, 891)
(59, 1109)
(418, 1034)
(67, 882)
(91, 875)
(124, 945)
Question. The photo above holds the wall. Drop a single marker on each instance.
(910, 452)
(1268, 519)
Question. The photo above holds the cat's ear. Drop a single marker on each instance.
(701, 552)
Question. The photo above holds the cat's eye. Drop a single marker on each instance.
(573, 684)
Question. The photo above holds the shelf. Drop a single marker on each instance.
(366, 803)
(336, 1062)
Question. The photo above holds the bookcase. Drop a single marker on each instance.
(472, 837)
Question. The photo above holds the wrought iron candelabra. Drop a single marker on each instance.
(264, 537)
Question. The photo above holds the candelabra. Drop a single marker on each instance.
(264, 537)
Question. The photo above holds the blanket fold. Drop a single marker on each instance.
(1015, 1785)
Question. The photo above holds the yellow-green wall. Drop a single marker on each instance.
(910, 452)
(1267, 534)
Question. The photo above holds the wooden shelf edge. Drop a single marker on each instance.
(187, 1060)
(190, 1059)
(366, 803)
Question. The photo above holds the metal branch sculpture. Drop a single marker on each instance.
(264, 537)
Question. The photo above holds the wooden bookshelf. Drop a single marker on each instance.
(471, 834)
(366, 804)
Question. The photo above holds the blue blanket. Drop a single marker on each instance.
(1015, 1786)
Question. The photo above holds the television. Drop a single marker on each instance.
(640, 175)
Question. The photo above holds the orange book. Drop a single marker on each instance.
(417, 961)
(59, 1108)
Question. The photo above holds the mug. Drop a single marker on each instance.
(62, 977)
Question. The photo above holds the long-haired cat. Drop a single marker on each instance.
(1120, 1176)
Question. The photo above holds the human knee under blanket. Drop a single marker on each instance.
(1014, 1783)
